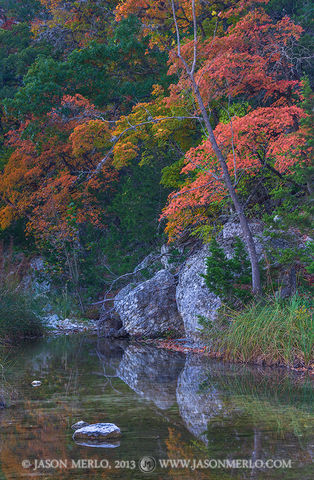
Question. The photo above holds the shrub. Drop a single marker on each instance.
(230, 279)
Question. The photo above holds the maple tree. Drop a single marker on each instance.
(151, 124)
(53, 145)
(90, 126)
(42, 177)
(48, 181)
(249, 59)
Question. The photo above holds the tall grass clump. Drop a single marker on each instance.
(273, 332)
(19, 307)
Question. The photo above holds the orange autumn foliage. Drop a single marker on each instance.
(157, 15)
(254, 141)
(47, 178)
(245, 59)
(249, 59)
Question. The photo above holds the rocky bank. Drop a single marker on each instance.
(175, 296)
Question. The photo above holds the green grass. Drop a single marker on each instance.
(272, 332)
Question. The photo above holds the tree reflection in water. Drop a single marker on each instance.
(167, 406)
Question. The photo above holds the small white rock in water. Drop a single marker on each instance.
(79, 424)
(97, 431)
(36, 383)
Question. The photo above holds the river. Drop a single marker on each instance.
(208, 416)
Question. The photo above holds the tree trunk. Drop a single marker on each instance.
(248, 238)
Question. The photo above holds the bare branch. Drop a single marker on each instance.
(232, 140)
(153, 260)
(178, 38)
(195, 38)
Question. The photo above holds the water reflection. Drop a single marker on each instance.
(197, 407)
(152, 373)
(167, 405)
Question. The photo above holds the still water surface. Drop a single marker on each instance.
(168, 406)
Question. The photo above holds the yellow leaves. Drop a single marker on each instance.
(161, 130)
(94, 134)
(51, 4)
(157, 91)
(123, 154)
(36, 26)
(149, 127)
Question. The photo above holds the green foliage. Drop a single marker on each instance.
(118, 71)
(171, 175)
(204, 232)
(135, 229)
(22, 10)
(42, 88)
(235, 110)
(228, 278)
(17, 54)
(113, 68)
(273, 332)
(309, 258)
